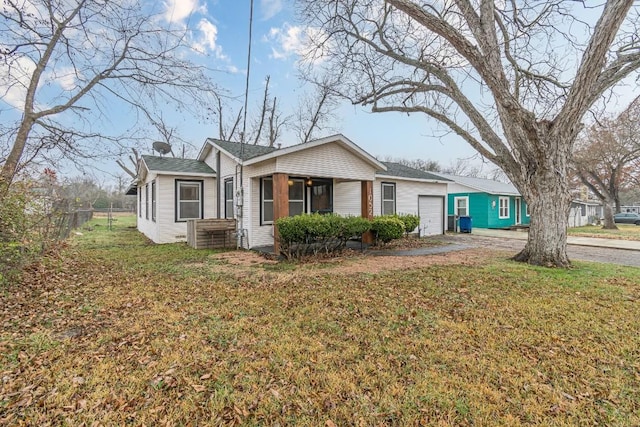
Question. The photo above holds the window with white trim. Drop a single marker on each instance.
(296, 196)
(147, 201)
(388, 198)
(140, 201)
(503, 212)
(153, 201)
(228, 198)
(188, 200)
(526, 209)
(461, 206)
(266, 192)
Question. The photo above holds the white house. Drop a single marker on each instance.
(584, 213)
(257, 184)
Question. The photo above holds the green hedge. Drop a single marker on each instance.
(387, 228)
(409, 221)
(311, 233)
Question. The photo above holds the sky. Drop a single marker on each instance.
(276, 44)
(218, 33)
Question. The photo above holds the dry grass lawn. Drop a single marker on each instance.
(624, 232)
(112, 330)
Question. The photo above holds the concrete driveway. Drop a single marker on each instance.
(622, 252)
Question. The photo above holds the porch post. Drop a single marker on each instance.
(280, 204)
(366, 207)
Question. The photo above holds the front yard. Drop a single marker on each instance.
(624, 232)
(112, 330)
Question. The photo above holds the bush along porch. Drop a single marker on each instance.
(311, 234)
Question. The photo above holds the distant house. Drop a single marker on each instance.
(490, 204)
(584, 213)
(256, 185)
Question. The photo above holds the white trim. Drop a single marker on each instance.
(508, 207)
(262, 200)
(180, 183)
(382, 199)
(456, 211)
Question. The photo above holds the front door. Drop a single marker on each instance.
(518, 211)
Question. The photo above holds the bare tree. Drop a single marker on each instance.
(606, 158)
(87, 54)
(315, 111)
(512, 79)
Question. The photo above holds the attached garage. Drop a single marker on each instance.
(431, 212)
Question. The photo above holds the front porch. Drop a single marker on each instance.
(283, 195)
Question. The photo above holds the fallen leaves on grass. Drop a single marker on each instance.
(165, 335)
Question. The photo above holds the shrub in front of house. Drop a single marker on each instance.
(409, 221)
(312, 233)
(387, 228)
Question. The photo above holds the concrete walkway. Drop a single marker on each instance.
(632, 245)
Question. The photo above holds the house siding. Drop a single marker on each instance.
(326, 161)
(166, 229)
(407, 193)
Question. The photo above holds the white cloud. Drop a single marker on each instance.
(270, 8)
(65, 78)
(179, 10)
(207, 39)
(293, 40)
(14, 81)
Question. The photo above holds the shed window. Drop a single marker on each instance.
(228, 198)
(461, 206)
(188, 200)
(388, 198)
(504, 208)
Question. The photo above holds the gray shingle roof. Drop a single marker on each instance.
(399, 170)
(243, 151)
(484, 185)
(170, 164)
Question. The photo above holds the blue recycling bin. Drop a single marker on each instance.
(464, 223)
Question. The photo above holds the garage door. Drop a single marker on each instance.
(431, 212)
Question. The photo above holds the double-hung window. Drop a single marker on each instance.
(461, 206)
(388, 198)
(153, 201)
(228, 198)
(296, 196)
(504, 208)
(267, 200)
(188, 200)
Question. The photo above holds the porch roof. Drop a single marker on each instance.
(251, 154)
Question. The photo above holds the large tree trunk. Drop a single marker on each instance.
(547, 241)
(543, 181)
(608, 210)
(8, 171)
